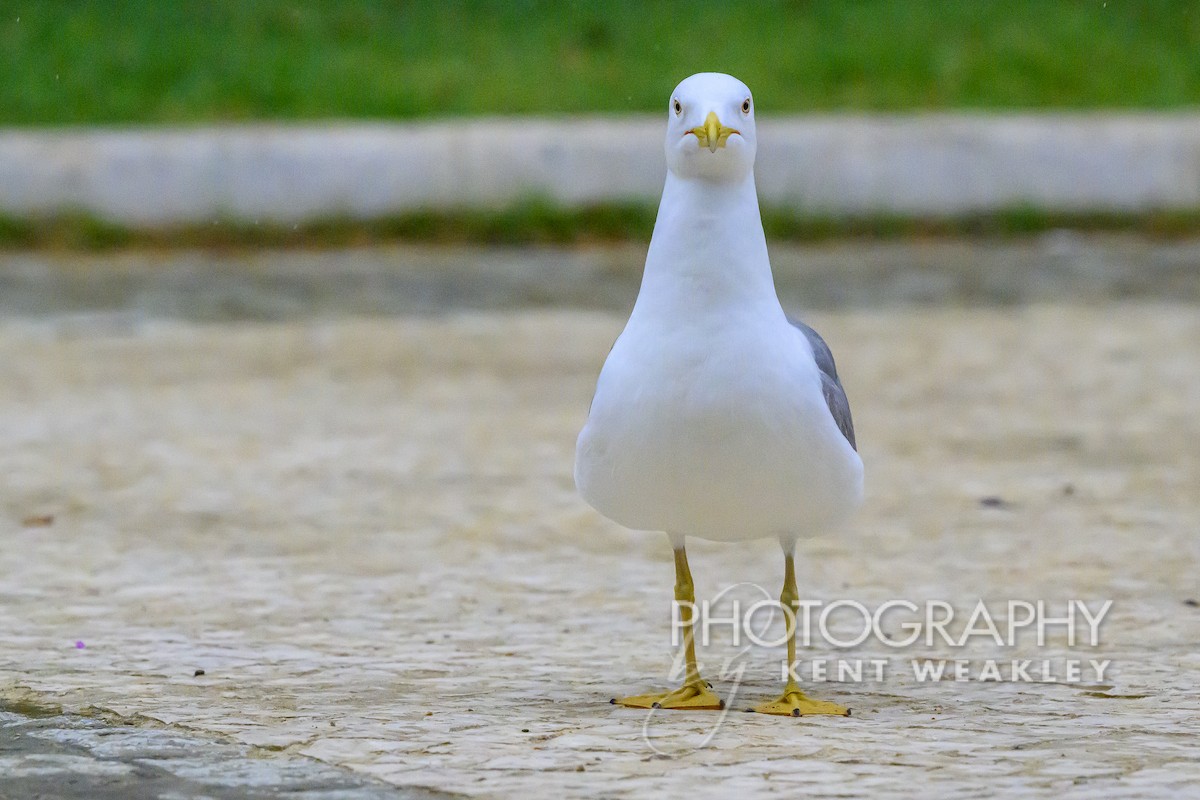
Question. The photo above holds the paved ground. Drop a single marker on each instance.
(364, 532)
(123, 289)
(45, 756)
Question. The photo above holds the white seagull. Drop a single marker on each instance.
(715, 415)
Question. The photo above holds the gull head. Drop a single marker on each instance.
(710, 128)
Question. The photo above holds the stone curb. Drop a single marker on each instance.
(945, 164)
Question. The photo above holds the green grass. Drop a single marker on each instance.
(123, 61)
(537, 222)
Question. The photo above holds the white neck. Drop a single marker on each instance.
(708, 252)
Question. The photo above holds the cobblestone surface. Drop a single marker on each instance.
(121, 289)
(365, 533)
(76, 758)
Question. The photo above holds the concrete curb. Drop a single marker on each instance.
(942, 164)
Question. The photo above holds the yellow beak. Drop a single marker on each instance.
(712, 134)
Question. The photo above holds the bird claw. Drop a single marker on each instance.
(794, 703)
(697, 696)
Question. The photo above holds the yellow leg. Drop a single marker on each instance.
(694, 694)
(793, 702)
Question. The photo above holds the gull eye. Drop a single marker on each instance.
(746, 106)
(677, 106)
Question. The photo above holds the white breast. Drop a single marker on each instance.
(715, 428)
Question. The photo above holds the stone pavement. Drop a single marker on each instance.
(364, 532)
(116, 290)
(66, 756)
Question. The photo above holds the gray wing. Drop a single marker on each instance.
(831, 387)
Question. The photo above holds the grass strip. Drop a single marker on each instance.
(541, 223)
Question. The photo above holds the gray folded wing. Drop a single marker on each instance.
(831, 387)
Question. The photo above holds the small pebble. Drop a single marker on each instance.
(197, 673)
(1191, 602)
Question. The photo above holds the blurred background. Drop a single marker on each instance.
(331, 124)
(129, 62)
